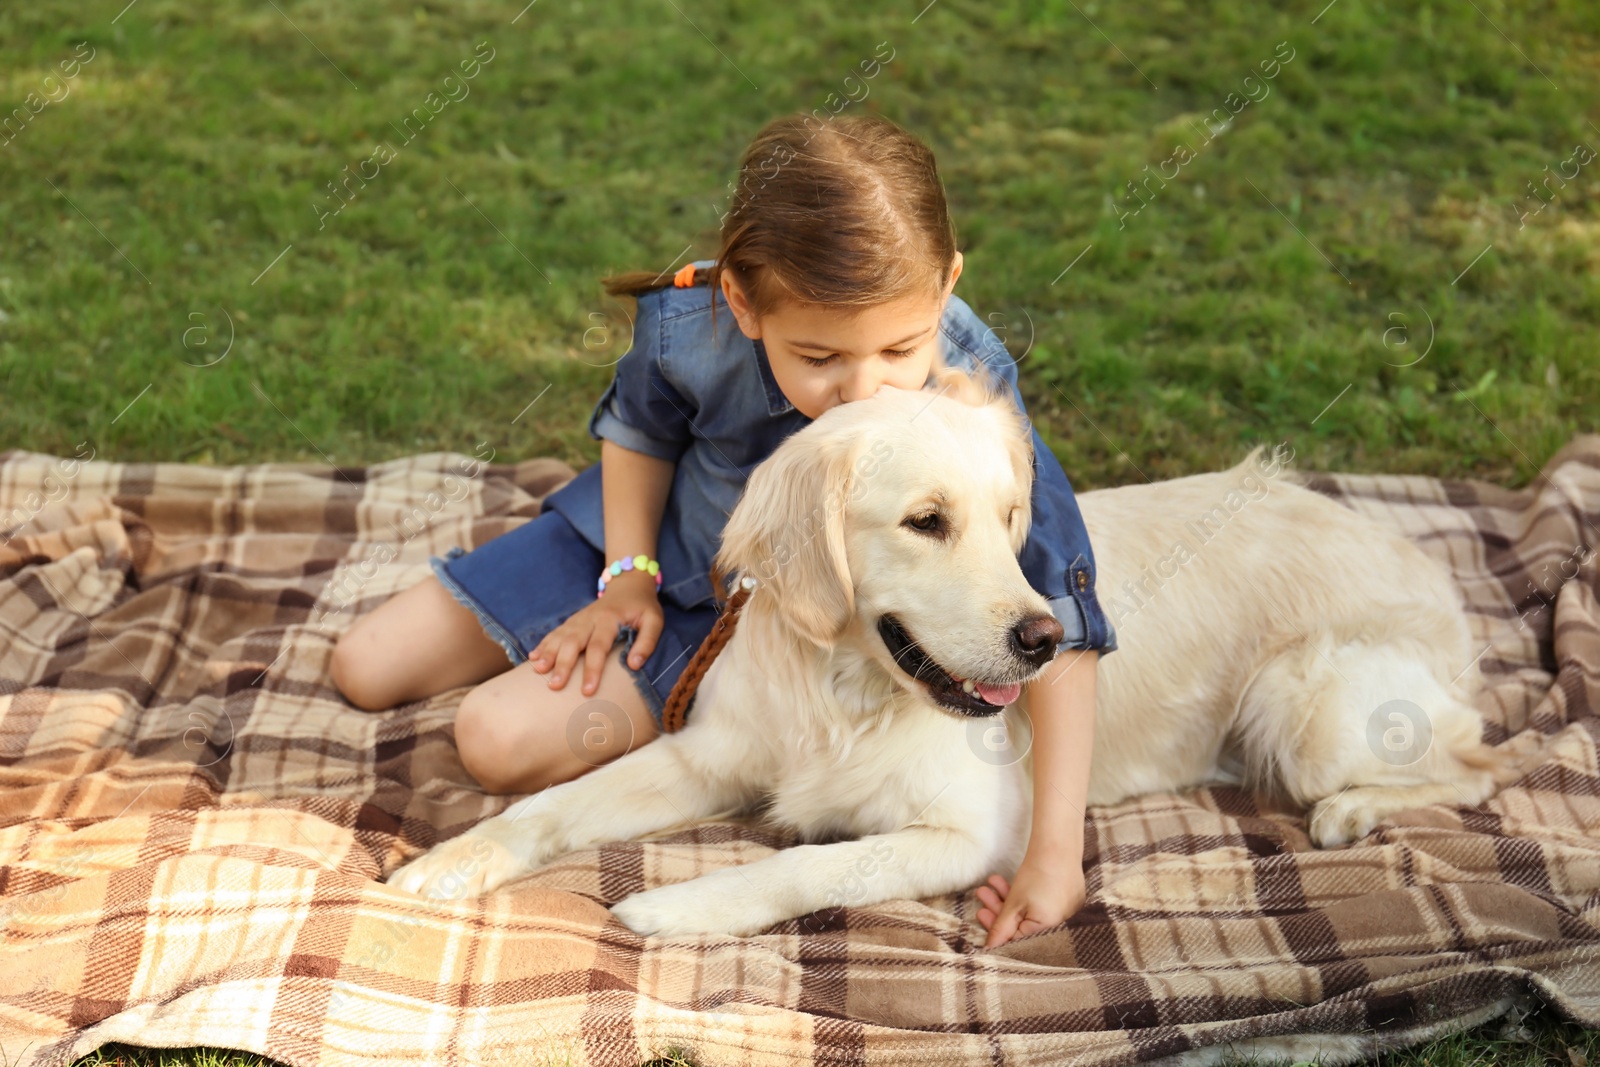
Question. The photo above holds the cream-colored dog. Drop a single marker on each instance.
(1265, 634)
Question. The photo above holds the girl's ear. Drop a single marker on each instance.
(738, 303)
(787, 532)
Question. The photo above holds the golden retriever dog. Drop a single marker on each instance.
(1293, 646)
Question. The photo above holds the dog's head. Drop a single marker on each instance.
(895, 523)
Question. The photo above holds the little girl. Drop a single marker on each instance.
(838, 264)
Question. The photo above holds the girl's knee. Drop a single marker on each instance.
(479, 740)
(517, 735)
(500, 737)
(356, 676)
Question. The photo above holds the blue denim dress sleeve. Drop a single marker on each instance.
(641, 409)
(1057, 558)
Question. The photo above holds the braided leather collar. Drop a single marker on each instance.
(677, 706)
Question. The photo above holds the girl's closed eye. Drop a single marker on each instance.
(893, 353)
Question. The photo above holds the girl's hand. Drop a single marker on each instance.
(1041, 897)
(630, 600)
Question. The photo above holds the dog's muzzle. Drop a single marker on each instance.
(969, 696)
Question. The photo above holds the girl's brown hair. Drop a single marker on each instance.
(847, 213)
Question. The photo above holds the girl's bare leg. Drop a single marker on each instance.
(514, 732)
(419, 642)
(517, 735)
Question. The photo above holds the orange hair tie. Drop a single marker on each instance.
(685, 276)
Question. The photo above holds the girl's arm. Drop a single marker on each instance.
(1061, 703)
(1049, 886)
(634, 488)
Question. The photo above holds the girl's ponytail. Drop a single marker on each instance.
(638, 282)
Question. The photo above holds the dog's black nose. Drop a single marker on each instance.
(1035, 639)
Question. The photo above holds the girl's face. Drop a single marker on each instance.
(821, 358)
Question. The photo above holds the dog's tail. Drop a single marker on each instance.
(1275, 465)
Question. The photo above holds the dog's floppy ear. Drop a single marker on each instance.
(957, 383)
(787, 532)
(1018, 435)
(1019, 442)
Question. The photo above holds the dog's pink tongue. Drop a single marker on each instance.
(998, 694)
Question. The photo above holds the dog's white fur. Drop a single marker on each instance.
(1264, 654)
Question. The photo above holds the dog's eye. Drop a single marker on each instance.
(929, 523)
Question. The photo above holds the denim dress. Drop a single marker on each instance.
(707, 401)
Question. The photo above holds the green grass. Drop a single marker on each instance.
(603, 137)
(1275, 289)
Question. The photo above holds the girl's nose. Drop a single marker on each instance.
(861, 385)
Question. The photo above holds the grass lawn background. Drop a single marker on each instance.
(463, 279)
(1353, 265)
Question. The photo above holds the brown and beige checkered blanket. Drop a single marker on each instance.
(193, 823)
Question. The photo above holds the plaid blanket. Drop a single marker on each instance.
(193, 823)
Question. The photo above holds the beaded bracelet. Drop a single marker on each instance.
(630, 563)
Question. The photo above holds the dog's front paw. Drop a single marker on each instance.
(660, 912)
(707, 905)
(477, 862)
(1343, 818)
